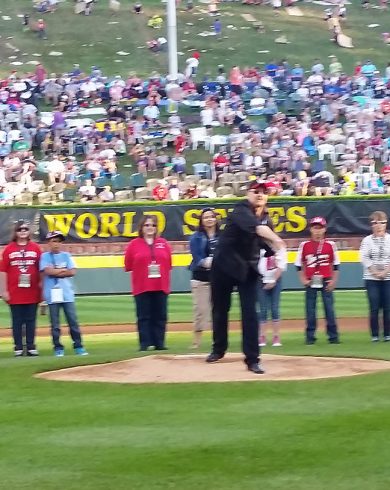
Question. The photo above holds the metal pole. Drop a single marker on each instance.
(172, 38)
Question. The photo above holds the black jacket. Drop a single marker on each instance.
(238, 249)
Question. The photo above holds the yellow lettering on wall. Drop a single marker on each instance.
(80, 224)
(59, 222)
(128, 222)
(191, 219)
(296, 219)
(161, 219)
(109, 224)
(275, 214)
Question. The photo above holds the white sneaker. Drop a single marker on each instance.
(374, 339)
(276, 341)
(262, 341)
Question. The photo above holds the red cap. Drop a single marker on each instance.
(257, 184)
(318, 220)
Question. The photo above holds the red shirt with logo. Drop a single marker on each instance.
(139, 255)
(317, 258)
(22, 259)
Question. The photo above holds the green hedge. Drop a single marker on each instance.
(212, 202)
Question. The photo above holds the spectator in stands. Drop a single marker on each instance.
(202, 245)
(149, 259)
(318, 263)
(20, 287)
(375, 258)
(160, 191)
(151, 114)
(106, 195)
(58, 268)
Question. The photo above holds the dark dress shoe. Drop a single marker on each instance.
(213, 357)
(255, 368)
(162, 348)
(310, 342)
(334, 341)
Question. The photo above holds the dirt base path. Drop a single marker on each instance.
(345, 324)
(194, 369)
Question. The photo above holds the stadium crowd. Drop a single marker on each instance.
(279, 123)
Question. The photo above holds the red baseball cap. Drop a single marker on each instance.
(257, 184)
(319, 221)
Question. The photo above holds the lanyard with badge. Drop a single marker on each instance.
(380, 263)
(317, 280)
(24, 280)
(153, 268)
(56, 292)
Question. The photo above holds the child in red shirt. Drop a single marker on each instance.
(318, 262)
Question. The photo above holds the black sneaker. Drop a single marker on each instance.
(213, 357)
(334, 341)
(32, 353)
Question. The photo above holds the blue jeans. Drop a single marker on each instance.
(152, 316)
(269, 300)
(378, 293)
(24, 316)
(311, 316)
(71, 318)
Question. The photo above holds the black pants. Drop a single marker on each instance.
(378, 293)
(24, 316)
(151, 318)
(221, 290)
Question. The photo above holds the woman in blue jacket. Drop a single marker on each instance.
(202, 245)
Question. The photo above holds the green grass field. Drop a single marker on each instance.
(104, 310)
(327, 434)
(311, 435)
(97, 39)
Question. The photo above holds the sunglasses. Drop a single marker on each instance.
(23, 229)
(378, 222)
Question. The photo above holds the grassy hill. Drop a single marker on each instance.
(97, 39)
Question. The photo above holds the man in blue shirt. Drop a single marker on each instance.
(58, 268)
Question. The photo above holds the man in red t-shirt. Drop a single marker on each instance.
(20, 286)
(318, 263)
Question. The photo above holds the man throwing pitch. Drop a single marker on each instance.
(235, 264)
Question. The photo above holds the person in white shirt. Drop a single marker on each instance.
(151, 113)
(56, 170)
(87, 191)
(107, 154)
(191, 67)
(88, 88)
(270, 288)
(13, 135)
(375, 258)
(207, 117)
(106, 195)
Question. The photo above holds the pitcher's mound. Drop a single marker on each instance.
(194, 369)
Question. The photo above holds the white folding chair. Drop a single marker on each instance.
(327, 150)
(199, 135)
(217, 140)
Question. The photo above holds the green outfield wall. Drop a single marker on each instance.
(112, 279)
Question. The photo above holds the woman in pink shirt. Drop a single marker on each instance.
(149, 259)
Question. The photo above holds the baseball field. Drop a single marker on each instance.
(313, 434)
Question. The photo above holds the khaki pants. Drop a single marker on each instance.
(202, 304)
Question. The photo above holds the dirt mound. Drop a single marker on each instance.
(194, 369)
